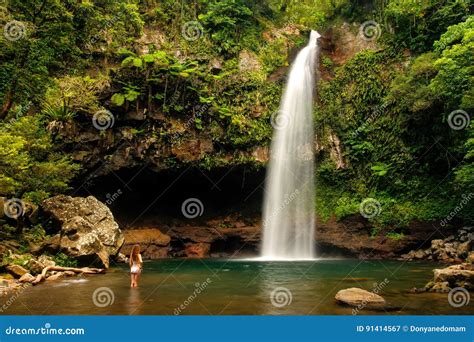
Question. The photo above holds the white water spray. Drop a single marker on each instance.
(288, 210)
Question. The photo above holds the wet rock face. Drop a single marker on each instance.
(192, 150)
(197, 250)
(352, 236)
(193, 242)
(153, 243)
(87, 229)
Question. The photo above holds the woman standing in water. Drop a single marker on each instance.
(136, 263)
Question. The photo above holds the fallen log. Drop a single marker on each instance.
(83, 270)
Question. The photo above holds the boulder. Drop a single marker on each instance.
(121, 258)
(87, 229)
(464, 249)
(457, 276)
(355, 297)
(451, 248)
(16, 270)
(450, 277)
(153, 243)
(46, 261)
(470, 258)
(437, 245)
(442, 287)
(35, 266)
(52, 245)
(26, 278)
(419, 254)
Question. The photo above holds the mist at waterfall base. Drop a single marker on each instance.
(288, 208)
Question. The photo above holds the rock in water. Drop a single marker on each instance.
(355, 296)
(26, 278)
(16, 270)
(450, 277)
(456, 275)
(87, 229)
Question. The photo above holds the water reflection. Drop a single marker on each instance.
(287, 288)
(237, 288)
(135, 302)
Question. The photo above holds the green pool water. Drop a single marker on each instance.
(231, 287)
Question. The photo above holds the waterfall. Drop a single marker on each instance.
(288, 209)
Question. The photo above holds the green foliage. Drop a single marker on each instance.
(22, 260)
(393, 124)
(274, 55)
(64, 260)
(312, 13)
(227, 22)
(58, 113)
(395, 236)
(417, 24)
(387, 112)
(464, 173)
(454, 82)
(35, 234)
(30, 161)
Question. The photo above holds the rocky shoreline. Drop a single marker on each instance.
(83, 231)
(454, 249)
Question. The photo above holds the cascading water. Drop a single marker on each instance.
(288, 210)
